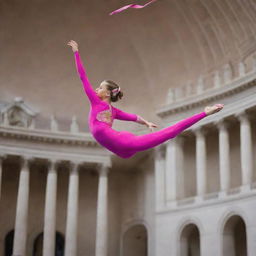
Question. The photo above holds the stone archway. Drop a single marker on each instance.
(234, 237)
(190, 241)
(59, 245)
(135, 241)
(8, 243)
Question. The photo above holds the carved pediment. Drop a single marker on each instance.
(17, 117)
(17, 113)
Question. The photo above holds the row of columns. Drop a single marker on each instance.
(21, 220)
(174, 161)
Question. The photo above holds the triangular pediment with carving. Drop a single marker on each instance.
(17, 113)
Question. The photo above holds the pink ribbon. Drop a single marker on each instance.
(117, 89)
(136, 6)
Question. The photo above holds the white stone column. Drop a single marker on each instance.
(2, 157)
(200, 163)
(72, 212)
(174, 169)
(102, 213)
(245, 150)
(50, 211)
(159, 155)
(224, 157)
(21, 220)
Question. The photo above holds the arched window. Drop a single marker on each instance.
(59, 245)
(38, 245)
(8, 243)
(234, 237)
(190, 241)
(135, 241)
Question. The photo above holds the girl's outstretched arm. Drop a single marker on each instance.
(121, 115)
(91, 94)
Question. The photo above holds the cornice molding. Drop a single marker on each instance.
(230, 111)
(36, 135)
(52, 155)
(236, 86)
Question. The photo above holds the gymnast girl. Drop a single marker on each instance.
(102, 113)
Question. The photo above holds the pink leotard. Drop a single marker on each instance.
(123, 143)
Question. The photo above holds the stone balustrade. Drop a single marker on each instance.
(220, 78)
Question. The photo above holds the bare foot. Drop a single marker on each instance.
(209, 110)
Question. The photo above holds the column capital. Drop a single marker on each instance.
(27, 158)
(177, 141)
(242, 115)
(199, 131)
(3, 157)
(159, 152)
(53, 164)
(181, 139)
(74, 166)
(26, 161)
(221, 124)
(102, 169)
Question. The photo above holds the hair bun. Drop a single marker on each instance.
(120, 95)
(115, 90)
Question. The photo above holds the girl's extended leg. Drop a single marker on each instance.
(144, 142)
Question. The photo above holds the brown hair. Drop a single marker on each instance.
(114, 96)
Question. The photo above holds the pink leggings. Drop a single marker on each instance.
(126, 144)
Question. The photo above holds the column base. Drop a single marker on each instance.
(223, 194)
(245, 188)
(172, 204)
(160, 208)
(199, 199)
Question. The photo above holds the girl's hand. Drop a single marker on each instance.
(74, 45)
(151, 126)
(209, 110)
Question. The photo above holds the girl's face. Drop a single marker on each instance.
(102, 91)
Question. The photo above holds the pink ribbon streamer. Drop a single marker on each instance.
(135, 6)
